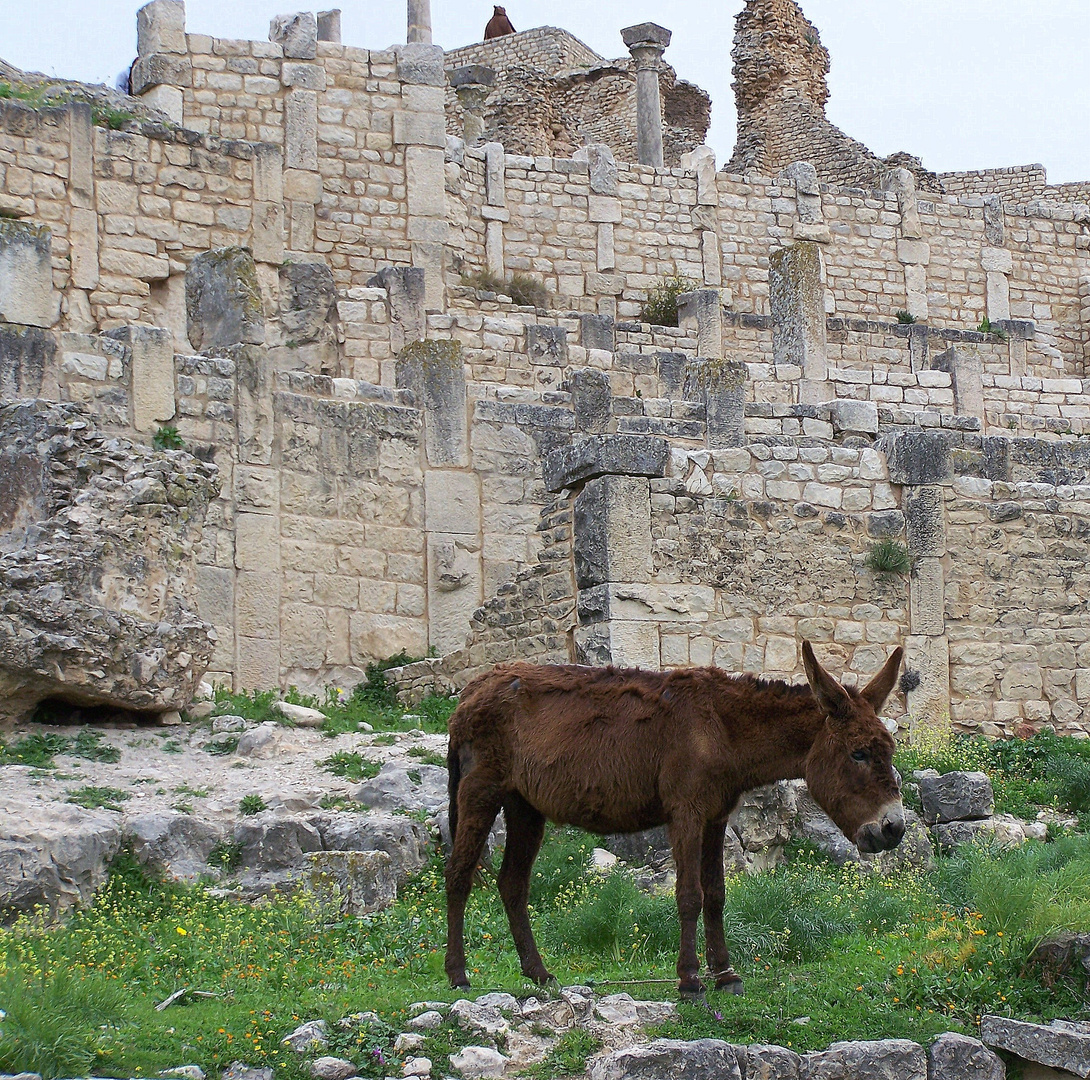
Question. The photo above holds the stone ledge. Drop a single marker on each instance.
(606, 455)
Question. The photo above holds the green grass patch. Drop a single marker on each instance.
(889, 557)
(38, 749)
(351, 766)
(251, 804)
(98, 798)
(428, 757)
(660, 307)
(568, 1057)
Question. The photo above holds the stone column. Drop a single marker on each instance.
(329, 26)
(419, 31)
(701, 313)
(912, 252)
(494, 211)
(647, 42)
(706, 212)
(796, 279)
(162, 67)
(472, 83)
(811, 221)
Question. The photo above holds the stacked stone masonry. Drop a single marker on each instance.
(290, 274)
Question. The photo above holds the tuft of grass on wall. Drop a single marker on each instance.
(890, 557)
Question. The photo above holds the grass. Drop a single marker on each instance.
(40, 748)
(428, 757)
(168, 438)
(98, 798)
(524, 289)
(863, 956)
(660, 307)
(568, 1057)
(1046, 771)
(36, 96)
(889, 557)
(906, 318)
(351, 766)
(987, 327)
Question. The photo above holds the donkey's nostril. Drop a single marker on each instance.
(893, 830)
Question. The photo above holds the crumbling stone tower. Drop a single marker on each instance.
(781, 89)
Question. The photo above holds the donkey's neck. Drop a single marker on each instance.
(778, 735)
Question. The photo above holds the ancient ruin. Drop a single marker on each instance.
(286, 254)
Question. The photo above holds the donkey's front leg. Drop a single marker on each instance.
(686, 840)
(711, 879)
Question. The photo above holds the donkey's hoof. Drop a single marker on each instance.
(459, 982)
(733, 985)
(691, 991)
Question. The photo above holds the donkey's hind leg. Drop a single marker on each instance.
(525, 830)
(479, 800)
(711, 880)
(686, 839)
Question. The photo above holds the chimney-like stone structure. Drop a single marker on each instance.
(419, 31)
(473, 83)
(647, 42)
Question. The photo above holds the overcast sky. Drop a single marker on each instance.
(964, 84)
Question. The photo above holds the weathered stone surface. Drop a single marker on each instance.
(26, 274)
(796, 282)
(1060, 1045)
(763, 818)
(957, 1057)
(308, 1037)
(474, 1062)
(54, 856)
(674, 1058)
(239, 1070)
(173, 844)
(1063, 953)
(597, 332)
(296, 33)
(604, 455)
(435, 372)
(271, 842)
(919, 458)
(26, 354)
(400, 787)
(404, 839)
(646, 848)
(359, 881)
(308, 295)
(1003, 830)
(770, 1062)
(885, 1059)
(97, 565)
(223, 300)
(623, 1009)
(613, 531)
(332, 1068)
(547, 345)
(592, 401)
(956, 796)
(925, 521)
(481, 1019)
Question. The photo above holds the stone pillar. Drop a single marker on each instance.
(796, 279)
(405, 299)
(966, 372)
(722, 385)
(811, 216)
(647, 42)
(420, 127)
(472, 83)
(329, 26)
(701, 313)
(706, 212)
(912, 252)
(27, 297)
(152, 350)
(419, 22)
(163, 68)
(611, 476)
(494, 211)
(921, 462)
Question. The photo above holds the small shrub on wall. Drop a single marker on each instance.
(660, 307)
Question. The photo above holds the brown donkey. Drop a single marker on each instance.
(621, 751)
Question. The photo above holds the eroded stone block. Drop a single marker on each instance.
(26, 274)
(223, 300)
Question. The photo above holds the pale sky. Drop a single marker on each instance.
(964, 84)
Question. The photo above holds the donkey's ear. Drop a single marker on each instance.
(880, 687)
(831, 697)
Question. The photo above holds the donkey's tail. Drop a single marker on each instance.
(454, 778)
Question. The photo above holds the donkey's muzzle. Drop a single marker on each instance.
(883, 833)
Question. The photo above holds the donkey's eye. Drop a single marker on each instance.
(860, 755)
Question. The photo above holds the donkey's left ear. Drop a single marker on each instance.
(880, 687)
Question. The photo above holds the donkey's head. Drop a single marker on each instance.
(849, 769)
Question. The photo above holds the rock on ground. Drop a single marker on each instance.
(957, 1057)
(671, 1058)
(405, 787)
(883, 1059)
(173, 844)
(1059, 1045)
(955, 796)
(98, 539)
(474, 1062)
(359, 881)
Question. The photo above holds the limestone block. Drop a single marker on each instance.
(603, 169)
(267, 242)
(851, 417)
(81, 139)
(297, 34)
(329, 25)
(452, 502)
(299, 185)
(711, 258)
(592, 401)
(301, 129)
(435, 372)
(603, 208)
(996, 260)
(797, 301)
(919, 458)
(405, 297)
(634, 644)
(606, 249)
(420, 64)
(701, 312)
(257, 542)
(672, 1058)
(914, 252)
(723, 387)
(495, 258)
(998, 295)
(966, 370)
(597, 332)
(303, 76)
(307, 297)
(425, 179)
(255, 406)
(994, 220)
(703, 164)
(26, 274)
(223, 299)
(927, 598)
(958, 1057)
(27, 357)
(160, 69)
(152, 374)
(83, 238)
(925, 520)
(956, 796)
(495, 179)
(547, 345)
(612, 529)
(268, 173)
(419, 129)
(455, 587)
(160, 27)
(929, 701)
(604, 455)
(916, 291)
(1059, 1045)
(169, 100)
(1022, 681)
(883, 1059)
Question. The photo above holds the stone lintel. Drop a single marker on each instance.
(606, 455)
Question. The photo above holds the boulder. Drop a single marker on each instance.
(239, 1070)
(331, 1068)
(1062, 954)
(648, 848)
(884, 1059)
(272, 842)
(98, 543)
(426, 1021)
(674, 1058)
(54, 856)
(404, 839)
(621, 1009)
(480, 1019)
(405, 787)
(173, 844)
(763, 820)
(307, 1037)
(770, 1062)
(299, 715)
(955, 796)
(1059, 1045)
(359, 881)
(957, 1057)
(1004, 829)
(474, 1062)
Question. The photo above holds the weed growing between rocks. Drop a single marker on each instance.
(98, 798)
(351, 766)
(660, 307)
(39, 749)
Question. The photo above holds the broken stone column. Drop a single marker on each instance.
(796, 279)
(419, 22)
(701, 313)
(329, 26)
(435, 372)
(722, 386)
(297, 34)
(472, 83)
(966, 371)
(152, 351)
(452, 519)
(647, 42)
(913, 254)
(162, 67)
(811, 223)
(223, 300)
(494, 211)
(998, 264)
(405, 295)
